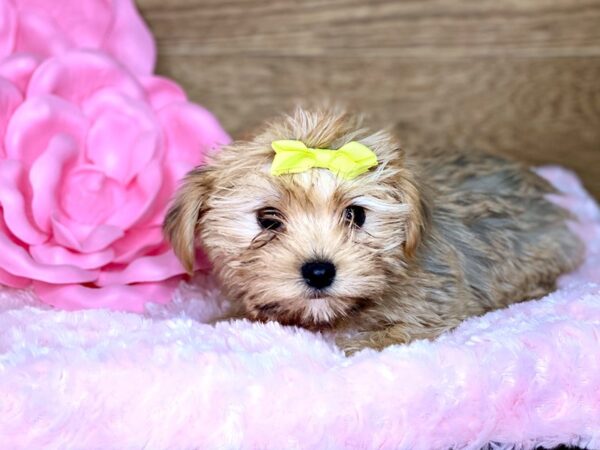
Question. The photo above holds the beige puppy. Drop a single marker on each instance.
(405, 250)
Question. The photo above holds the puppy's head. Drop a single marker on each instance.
(311, 248)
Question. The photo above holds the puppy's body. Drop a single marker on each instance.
(442, 235)
(491, 239)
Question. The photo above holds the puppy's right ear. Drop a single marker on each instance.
(181, 222)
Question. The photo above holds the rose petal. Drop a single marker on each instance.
(171, 177)
(18, 69)
(89, 197)
(8, 28)
(113, 26)
(162, 92)
(77, 75)
(119, 298)
(15, 260)
(75, 23)
(38, 34)
(137, 242)
(123, 137)
(7, 279)
(140, 198)
(146, 268)
(45, 176)
(130, 40)
(13, 199)
(190, 133)
(101, 237)
(36, 122)
(10, 98)
(50, 28)
(83, 238)
(55, 255)
(63, 235)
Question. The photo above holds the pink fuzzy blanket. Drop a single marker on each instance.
(525, 376)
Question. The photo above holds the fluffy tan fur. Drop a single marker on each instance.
(447, 235)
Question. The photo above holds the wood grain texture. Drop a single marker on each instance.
(520, 77)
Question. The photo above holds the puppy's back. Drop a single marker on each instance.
(513, 241)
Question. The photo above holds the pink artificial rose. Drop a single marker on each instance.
(89, 158)
(52, 27)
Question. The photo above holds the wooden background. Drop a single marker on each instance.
(521, 77)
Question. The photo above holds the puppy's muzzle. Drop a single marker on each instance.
(318, 274)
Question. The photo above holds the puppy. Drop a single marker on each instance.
(404, 250)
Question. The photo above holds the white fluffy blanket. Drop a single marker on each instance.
(525, 376)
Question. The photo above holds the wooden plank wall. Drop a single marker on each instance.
(521, 77)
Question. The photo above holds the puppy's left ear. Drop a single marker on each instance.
(181, 222)
(418, 215)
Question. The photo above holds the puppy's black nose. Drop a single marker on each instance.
(318, 274)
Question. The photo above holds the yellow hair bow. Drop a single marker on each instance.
(347, 162)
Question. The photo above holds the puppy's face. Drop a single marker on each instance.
(308, 249)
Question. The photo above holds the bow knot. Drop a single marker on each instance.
(347, 162)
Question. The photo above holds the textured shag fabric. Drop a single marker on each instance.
(525, 376)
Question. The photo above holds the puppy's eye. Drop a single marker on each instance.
(355, 215)
(269, 218)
